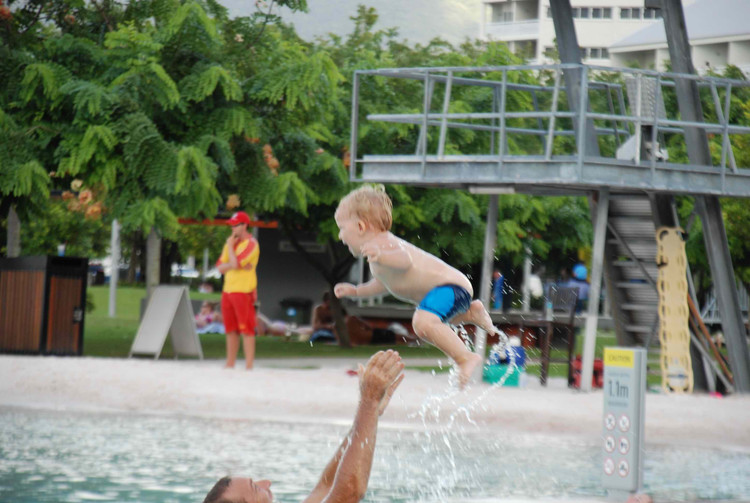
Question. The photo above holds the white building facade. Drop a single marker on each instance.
(526, 25)
(719, 34)
(623, 32)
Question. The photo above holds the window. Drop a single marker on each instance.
(607, 13)
(624, 13)
(549, 13)
(594, 52)
(650, 13)
(584, 12)
(596, 13)
(550, 52)
(576, 12)
(583, 53)
(605, 53)
(507, 17)
(635, 13)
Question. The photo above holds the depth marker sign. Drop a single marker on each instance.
(623, 418)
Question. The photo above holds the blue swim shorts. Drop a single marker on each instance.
(446, 301)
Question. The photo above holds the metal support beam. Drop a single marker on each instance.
(592, 316)
(355, 129)
(114, 275)
(570, 52)
(485, 285)
(526, 287)
(709, 207)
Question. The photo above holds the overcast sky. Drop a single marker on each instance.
(418, 21)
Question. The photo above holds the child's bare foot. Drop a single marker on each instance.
(466, 369)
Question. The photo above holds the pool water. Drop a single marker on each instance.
(85, 457)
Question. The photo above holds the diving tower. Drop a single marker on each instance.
(574, 129)
(620, 103)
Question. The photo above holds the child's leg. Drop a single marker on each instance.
(429, 327)
(478, 315)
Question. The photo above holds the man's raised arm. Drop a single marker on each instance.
(345, 477)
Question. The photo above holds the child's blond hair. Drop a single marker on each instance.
(371, 204)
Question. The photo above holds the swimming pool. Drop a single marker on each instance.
(83, 457)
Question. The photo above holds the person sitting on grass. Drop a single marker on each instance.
(442, 293)
(208, 320)
(324, 328)
(345, 477)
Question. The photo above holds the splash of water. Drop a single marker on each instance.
(446, 420)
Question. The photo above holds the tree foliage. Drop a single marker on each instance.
(166, 108)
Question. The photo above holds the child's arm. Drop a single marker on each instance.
(393, 255)
(369, 289)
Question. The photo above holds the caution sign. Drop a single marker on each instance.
(623, 417)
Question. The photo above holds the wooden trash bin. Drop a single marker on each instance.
(42, 304)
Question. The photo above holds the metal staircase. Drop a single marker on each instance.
(631, 267)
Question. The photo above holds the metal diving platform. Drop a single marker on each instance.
(523, 133)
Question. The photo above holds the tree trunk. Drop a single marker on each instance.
(170, 254)
(14, 233)
(153, 259)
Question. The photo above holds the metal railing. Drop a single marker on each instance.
(528, 102)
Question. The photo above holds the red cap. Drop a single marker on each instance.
(239, 218)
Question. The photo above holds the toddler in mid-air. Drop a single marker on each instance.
(442, 293)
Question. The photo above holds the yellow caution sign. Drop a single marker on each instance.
(618, 357)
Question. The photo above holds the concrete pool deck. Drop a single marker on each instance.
(321, 390)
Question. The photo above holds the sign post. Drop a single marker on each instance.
(623, 419)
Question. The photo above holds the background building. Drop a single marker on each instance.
(719, 36)
(526, 25)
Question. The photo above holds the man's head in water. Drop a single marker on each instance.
(240, 490)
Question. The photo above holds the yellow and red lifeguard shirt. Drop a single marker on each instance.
(241, 280)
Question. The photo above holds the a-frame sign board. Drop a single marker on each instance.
(169, 311)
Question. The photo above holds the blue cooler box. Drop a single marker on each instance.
(493, 374)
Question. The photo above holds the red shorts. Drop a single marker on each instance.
(238, 310)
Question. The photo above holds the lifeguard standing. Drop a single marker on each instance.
(237, 263)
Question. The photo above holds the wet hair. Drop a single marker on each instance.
(216, 494)
(371, 204)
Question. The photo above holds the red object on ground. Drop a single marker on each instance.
(597, 379)
(351, 372)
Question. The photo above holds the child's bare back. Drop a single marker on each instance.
(406, 271)
(443, 294)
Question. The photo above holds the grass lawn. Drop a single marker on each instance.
(105, 336)
(112, 337)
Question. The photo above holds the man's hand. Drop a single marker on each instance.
(231, 241)
(344, 290)
(388, 392)
(380, 378)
